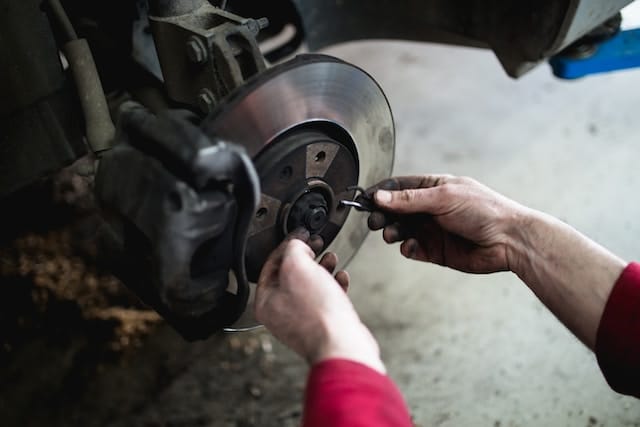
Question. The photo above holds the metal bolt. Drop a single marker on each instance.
(255, 26)
(263, 23)
(206, 101)
(197, 51)
(316, 218)
(581, 51)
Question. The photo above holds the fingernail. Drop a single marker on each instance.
(383, 197)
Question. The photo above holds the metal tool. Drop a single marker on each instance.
(362, 203)
(356, 205)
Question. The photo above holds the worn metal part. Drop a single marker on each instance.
(99, 128)
(285, 32)
(320, 93)
(522, 34)
(166, 8)
(183, 205)
(62, 19)
(303, 174)
(205, 52)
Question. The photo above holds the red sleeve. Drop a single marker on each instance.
(618, 341)
(345, 393)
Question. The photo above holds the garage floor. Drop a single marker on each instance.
(473, 350)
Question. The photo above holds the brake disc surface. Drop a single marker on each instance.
(314, 126)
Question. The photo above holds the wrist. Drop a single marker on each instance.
(355, 343)
(520, 241)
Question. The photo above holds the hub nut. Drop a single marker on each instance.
(310, 211)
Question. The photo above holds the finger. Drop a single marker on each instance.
(343, 280)
(393, 233)
(412, 249)
(299, 233)
(296, 248)
(425, 181)
(317, 244)
(399, 183)
(329, 261)
(271, 267)
(377, 221)
(435, 201)
(298, 264)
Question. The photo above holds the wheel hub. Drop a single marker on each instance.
(303, 176)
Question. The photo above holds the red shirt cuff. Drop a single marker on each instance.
(346, 393)
(618, 340)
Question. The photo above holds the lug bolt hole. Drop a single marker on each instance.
(262, 212)
(321, 156)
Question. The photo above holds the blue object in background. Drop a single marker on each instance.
(620, 52)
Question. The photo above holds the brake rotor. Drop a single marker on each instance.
(314, 126)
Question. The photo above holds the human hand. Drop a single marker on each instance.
(452, 221)
(307, 309)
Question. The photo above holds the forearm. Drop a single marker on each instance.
(572, 275)
(347, 339)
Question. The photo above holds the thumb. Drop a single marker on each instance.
(412, 201)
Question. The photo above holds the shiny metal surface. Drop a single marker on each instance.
(315, 88)
(585, 16)
(356, 205)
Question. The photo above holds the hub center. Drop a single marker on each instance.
(310, 211)
(303, 175)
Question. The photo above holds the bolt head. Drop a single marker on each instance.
(197, 51)
(316, 219)
(206, 101)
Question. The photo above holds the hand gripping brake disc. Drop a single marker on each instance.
(316, 127)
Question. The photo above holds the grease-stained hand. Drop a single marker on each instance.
(447, 220)
(307, 308)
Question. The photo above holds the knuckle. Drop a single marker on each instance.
(467, 180)
(295, 246)
(407, 196)
(440, 180)
(388, 184)
(447, 191)
(426, 181)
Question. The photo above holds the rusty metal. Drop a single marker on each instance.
(303, 175)
(205, 53)
(270, 115)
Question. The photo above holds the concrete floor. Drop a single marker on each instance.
(481, 350)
